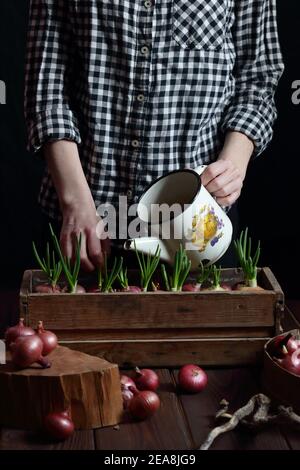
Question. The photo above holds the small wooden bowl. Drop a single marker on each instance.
(282, 386)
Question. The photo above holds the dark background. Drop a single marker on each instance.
(270, 201)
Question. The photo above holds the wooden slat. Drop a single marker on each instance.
(162, 333)
(176, 310)
(11, 439)
(165, 430)
(170, 353)
(237, 386)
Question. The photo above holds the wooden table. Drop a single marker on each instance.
(183, 421)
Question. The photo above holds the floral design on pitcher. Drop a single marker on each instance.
(206, 228)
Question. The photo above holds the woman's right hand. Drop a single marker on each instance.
(80, 217)
(76, 204)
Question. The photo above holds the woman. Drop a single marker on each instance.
(120, 92)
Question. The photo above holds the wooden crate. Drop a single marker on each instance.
(162, 329)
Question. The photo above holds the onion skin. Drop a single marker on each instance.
(27, 350)
(132, 289)
(128, 389)
(191, 288)
(226, 287)
(291, 362)
(146, 379)
(48, 338)
(293, 344)
(192, 378)
(59, 426)
(79, 290)
(17, 331)
(47, 289)
(243, 288)
(144, 404)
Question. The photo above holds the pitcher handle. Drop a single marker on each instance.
(200, 169)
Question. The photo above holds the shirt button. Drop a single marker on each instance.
(135, 143)
(140, 97)
(145, 50)
(148, 4)
(129, 193)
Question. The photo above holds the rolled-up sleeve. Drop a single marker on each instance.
(258, 69)
(49, 67)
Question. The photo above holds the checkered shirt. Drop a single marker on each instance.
(148, 86)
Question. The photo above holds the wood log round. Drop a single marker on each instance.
(87, 386)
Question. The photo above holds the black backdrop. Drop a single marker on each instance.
(270, 201)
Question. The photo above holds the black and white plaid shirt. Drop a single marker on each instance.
(148, 86)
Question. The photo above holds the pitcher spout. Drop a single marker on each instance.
(148, 245)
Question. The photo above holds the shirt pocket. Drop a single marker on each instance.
(200, 24)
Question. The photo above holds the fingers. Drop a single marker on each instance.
(94, 248)
(214, 170)
(66, 242)
(232, 187)
(228, 200)
(223, 180)
(90, 251)
(85, 260)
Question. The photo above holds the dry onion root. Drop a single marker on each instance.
(254, 414)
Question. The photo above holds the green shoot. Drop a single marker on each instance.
(248, 261)
(181, 269)
(123, 278)
(204, 273)
(216, 277)
(49, 265)
(107, 278)
(71, 272)
(148, 266)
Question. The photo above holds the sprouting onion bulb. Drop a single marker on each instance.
(71, 272)
(49, 266)
(181, 269)
(107, 278)
(248, 261)
(204, 274)
(216, 278)
(124, 282)
(148, 265)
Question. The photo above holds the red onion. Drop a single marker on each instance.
(278, 346)
(226, 286)
(59, 425)
(48, 338)
(128, 389)
(291, 362)
(191, 288)
(132, 289)
(47, 289)
(293, 344)
(27, 350)
(79, 290)
(192, 378)
(14, 332)
(146, 379)
(144, 404)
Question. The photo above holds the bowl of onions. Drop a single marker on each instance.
(281, 370)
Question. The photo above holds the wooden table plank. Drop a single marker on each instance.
(165, 430)
(11, 439)
(237, 386)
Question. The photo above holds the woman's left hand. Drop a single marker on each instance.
(224, 178)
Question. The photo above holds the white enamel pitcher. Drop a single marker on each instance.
(195, 220)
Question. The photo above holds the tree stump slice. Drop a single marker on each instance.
(87, 386)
